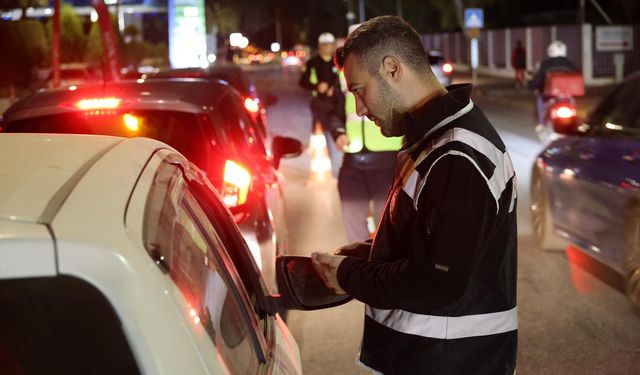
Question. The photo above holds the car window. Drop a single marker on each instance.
(238, 125)
(178, 129)
(620, 112)
(179, 238)
(60, 325)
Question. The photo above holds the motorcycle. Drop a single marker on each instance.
(559, 109)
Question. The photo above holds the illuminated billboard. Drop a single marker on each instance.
(187, 34)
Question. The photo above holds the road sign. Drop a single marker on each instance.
(473, 18)
(614, 38)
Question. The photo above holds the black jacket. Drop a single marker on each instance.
(440, 284)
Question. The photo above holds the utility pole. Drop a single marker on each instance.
(399, 8)
(581, 12)
(361, 11)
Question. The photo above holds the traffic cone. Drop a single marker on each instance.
(320, 170)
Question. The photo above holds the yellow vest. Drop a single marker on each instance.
(362, 132)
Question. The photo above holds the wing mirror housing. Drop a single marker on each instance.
(301, 287)
(285, 148)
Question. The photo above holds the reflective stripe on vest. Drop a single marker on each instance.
(363, 132)
(313, 79)
(446, 327)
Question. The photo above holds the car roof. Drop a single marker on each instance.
(181, 94)
(39, 171)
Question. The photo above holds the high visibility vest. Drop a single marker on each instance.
(362, 132)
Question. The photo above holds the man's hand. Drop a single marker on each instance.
(322, 87)
(342, 142)
(327, 266)
(357, 249)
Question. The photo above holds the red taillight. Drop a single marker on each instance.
(447, 68)
(235, 187)
(251, 105)
(98, 103)
(563, 112)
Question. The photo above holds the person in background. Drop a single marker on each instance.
(519, 63)
(439, 279)
(367, 167)
(557, 61)
(320, 77)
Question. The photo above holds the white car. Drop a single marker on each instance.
(119, 256)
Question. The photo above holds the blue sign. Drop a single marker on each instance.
(473, 18)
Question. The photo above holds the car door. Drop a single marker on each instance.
(200, 277)
(607, 172)
(212, 274)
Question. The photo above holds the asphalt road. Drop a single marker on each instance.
(573, 316)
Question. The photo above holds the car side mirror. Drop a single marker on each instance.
(301, 287)
(268, 100)
(285, 148)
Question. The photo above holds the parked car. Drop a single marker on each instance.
(118, 256)
(204, 120)
(586, 185)
(442, 68)
(238, 78)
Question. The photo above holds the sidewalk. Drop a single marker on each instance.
(502, 90)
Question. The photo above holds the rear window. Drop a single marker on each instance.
(180, 130)
(60, 325)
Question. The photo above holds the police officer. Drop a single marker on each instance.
(439, 280)
(320, 77)
(367, 167)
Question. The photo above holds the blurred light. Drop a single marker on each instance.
(283, 54)
(234, 39)
(565, 112)
(190, 12)
(204, 64)
(98, 103)
(140, 80)
(235, 187)
(212, 58)
(48, 11)
(94, 15)
(244, 42)
(251, 105)
(131, 122)
(129, 10)
(447, 68)
(275, 47)
(73, 88)
(110, 2)
(611, 126)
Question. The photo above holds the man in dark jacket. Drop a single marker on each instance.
(320, 77)
(439, 279)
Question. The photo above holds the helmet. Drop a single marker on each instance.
(557, 49)
(327, 38)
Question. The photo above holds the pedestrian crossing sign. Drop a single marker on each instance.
(473, 18)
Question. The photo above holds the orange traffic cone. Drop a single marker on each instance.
(320, 170)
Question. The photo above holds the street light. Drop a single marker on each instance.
(235, 39)
(244, 42)
(275, 47)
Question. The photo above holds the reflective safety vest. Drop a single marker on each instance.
(362, 132)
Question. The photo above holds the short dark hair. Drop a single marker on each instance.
(382, 36)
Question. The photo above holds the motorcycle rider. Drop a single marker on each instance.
(556, 62)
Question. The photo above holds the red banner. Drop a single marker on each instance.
(55, 44)
(109, 47)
